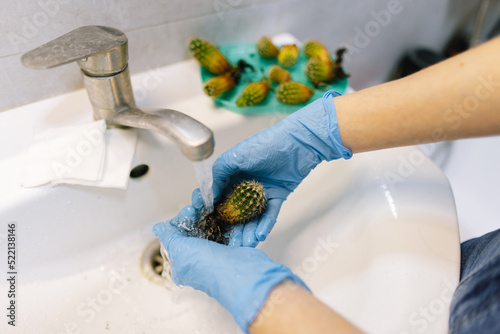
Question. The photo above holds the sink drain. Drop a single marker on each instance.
(152, 263)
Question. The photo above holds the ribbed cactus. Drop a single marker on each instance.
(245, 202)
(320, 71)
(209, 56)
(288, 55)
(293, 93)
(278, 74)
(253, 94)
(266, 48)
(315, 50)
(220, 84)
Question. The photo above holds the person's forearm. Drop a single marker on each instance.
(457, 98)
(290, 309)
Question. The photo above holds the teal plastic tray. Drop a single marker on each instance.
(248, 52)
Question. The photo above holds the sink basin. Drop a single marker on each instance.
(382, 247)
(374, 237)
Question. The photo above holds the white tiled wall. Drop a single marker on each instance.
(159, 31)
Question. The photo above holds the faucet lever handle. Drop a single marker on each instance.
(98, 50)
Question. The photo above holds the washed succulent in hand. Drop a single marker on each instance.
(246, 202)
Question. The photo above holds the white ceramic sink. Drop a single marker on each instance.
(383, 248)
(375, 237)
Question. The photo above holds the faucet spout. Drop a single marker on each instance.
(102, 54)
(194, 139)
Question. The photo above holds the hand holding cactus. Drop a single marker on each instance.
(279, 158)
(245, 202)
(239, 278)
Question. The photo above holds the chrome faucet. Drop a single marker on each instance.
(102, 54)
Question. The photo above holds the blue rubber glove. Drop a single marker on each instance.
(239, 278)
(279, 157)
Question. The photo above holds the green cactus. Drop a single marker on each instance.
(288, 55)
(279, 75)
(245, 202)
(315, 50)
(253, 94)
(266, 48)
(209, 56)
(293, 93)
(320, 71)
(220, 84)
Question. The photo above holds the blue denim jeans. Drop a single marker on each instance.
(475, 307)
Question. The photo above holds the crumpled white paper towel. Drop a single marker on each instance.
(84, 154)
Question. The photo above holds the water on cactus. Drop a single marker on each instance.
(246, 202)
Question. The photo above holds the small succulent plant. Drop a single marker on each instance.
(293, 93)
(279, 75)
(220, 84)
(266, 48)
(315, 50)
(320, 71)
(288, 55)
(209, 56)
(245, 202)
(253, 94)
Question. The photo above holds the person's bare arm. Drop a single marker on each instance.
(290, 309)
(457, 98)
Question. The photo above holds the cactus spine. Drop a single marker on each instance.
(320, 71)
